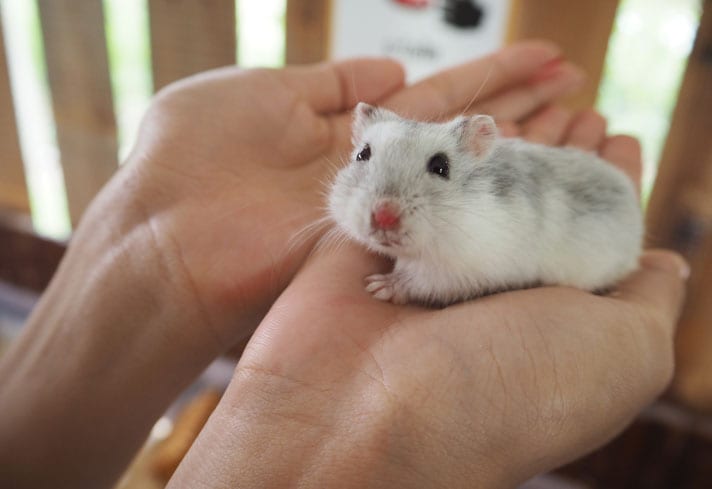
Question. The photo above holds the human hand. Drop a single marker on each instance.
(338, 389)
(185, 249)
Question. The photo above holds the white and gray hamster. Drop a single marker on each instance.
(465, 212)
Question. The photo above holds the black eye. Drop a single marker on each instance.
(365, 154)
(439, 165)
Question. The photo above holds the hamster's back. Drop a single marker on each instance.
(580, 206)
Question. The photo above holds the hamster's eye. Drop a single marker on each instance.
(365, 154)
(439, 165)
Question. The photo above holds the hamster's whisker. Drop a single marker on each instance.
(324, 193)
(333, 166)
(331, 242)
(306, 233)
(479, 91)
(328, 240)
(341, 242)
(354, 86)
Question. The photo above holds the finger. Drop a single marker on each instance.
(587, 131)
(348, 263)
(658, 287)
(625, 153)
(509, 129)
(334, 87)
(453, 90)
(516, 103)
(548, 126)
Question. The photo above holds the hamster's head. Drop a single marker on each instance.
(406, 179)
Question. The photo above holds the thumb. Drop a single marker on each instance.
(659, 285)
(338, 86)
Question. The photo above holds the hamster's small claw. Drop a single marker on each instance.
(375, 278)
(385, 288)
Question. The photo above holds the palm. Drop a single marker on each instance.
(233, 204)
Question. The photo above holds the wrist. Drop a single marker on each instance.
(113, 334)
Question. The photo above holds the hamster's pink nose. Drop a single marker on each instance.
(385, 216)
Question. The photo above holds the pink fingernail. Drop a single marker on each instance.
(549, 70)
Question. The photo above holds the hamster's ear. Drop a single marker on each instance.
(478, 133)
(366, 115)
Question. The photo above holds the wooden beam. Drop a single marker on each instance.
(13, 188)
(685, 158)
(664, 447)
(27, 261)
(680, 216)
(78, 72)
(307, 31)
(582, 29)
(189, 36)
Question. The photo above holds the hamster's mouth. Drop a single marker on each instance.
(389, 244)
(386, 239)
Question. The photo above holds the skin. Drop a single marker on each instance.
(185, 250)
(354, 392)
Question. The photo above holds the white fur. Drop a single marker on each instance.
(459, 238)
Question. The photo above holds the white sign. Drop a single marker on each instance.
(424, 35)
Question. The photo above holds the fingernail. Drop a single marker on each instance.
(667, 262)
(549, 69)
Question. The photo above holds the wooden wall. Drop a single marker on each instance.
(680, 216)
(78, 73)
(13, 188)
(189, 36)
(581, 28)
(307, 31)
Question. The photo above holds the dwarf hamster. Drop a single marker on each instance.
(465, 212)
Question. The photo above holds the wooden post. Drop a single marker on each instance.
(307, 31)
(13, 188)
(27, 261)
(582, 29)
(189, 36)
(680, 216)
(78, 72)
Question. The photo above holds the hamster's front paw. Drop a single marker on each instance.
(387, 288)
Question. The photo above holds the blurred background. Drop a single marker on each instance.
(77, 75)
(644, 63)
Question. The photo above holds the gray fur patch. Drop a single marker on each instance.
(500, 177)
(536, 175)
(592, 197)
(503, 180)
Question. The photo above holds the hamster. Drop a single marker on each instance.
(465, 212)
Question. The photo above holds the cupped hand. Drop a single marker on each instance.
(481, 394)
(231, 164)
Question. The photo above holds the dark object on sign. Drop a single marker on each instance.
(465, 14)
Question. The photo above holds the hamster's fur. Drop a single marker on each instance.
(508, 214)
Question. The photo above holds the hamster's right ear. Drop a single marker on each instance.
(478, 133)
(366, 115)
